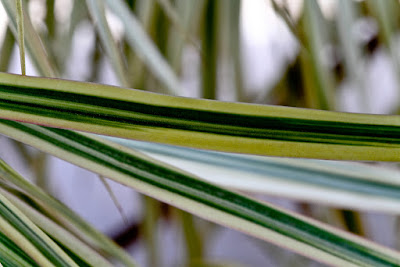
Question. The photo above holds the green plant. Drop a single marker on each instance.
(52, 114)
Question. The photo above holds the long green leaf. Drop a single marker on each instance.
(6, 49)
(81, 250)
(145, 48)
(29, 237)
(387, 15)
(338, 184)
(21, 41)
(33, 43)
(216, 204)
(319, 82)
(230, 127)
(20, 240)
(63, 213)
(12, 255)
(96, 8)
(184, 17)
(351, 48)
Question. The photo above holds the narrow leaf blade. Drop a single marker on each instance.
(213, 203)
(199, 123)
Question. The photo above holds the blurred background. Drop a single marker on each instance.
(329, 54)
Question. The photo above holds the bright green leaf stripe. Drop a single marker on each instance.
(232, 127)
(214, 203)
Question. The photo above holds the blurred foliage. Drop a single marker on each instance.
(202, 42)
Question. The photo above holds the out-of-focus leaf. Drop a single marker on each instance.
(144, 47)
(338, 184)
(96, 8)
(33, 43)
(319, 82)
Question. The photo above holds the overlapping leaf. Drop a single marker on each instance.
(338, 184)
(187, 192)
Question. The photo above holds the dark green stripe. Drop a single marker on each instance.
(76, 258)
(260, 127)
(6, 261)
(28, 233)
(210, 195)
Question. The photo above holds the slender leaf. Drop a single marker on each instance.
(230, 127)
(21, 229)
(62, 236)
(96, 8)
(317, 75)
(233, 42)
(12, 255)
(210, 50)
(33, 43)
(351, 49)
(144, 47)
(21, 41)
(63, 43)
(188, 17)
(211, 202)
(146, 15)
(63, 213)
(19, 239)
(7, 48)
(387, 16)
(340, 184)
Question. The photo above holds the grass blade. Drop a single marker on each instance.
(33, 43)
(216, 204)
(96, 9)
(145, 48)
(318, 78)
(210, 49)
(7, 48)
(59, 234)
(11, 255)
(56, 208)
(351, 49)
(21, 229)
(339, 184)
(189, 16)
(229, 127)
(21, 41)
